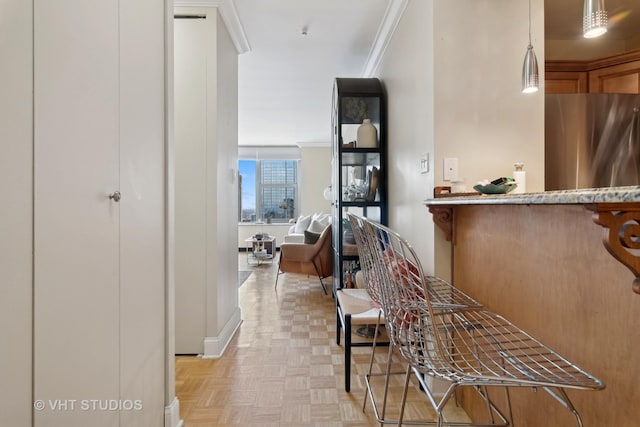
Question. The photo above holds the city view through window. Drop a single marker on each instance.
(268, 190)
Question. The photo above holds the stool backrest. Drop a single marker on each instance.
(367, 259)
(413, 302)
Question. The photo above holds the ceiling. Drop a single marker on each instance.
(286, 77)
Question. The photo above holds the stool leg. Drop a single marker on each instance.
(386, 381)
(278, 272)
(338, 324)
(347, 352)
(404, 394)
(373, 353)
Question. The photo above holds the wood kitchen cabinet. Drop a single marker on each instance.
(623, 78)
(615, 74)
(566, 82)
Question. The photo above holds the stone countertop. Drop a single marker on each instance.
(561, 197)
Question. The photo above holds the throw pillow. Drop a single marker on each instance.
(322, 218)
(310, 238)
(302, 224)
(316, 226)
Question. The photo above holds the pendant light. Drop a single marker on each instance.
(530, 77)
(594, 19)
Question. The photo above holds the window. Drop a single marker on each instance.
(269, 190)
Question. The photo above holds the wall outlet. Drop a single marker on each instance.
(450, 168)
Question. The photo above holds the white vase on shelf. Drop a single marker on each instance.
(367, 136)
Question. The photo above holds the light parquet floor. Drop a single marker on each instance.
(283, 367)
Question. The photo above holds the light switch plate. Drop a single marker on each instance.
(424, 163)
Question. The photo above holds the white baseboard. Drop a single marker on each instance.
(214, 347)
(172, 414)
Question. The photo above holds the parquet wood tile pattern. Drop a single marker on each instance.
(283, 367)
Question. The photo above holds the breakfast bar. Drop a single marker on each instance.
(564, 266)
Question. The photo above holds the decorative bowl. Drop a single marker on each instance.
(495, 189)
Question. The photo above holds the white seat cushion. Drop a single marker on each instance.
(359, 304)
(294, 238)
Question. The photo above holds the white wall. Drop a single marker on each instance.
(314, 177)
(207, 310)
(406, 71)
(481, 115)
(453, 75)
(190, 182)
(226, 206)
(16, 187)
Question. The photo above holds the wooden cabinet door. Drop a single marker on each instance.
(558, 82)
(623, 78)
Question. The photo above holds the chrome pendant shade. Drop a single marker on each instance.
(530, 76)
(594, 19)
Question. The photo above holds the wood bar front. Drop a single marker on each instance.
(544, 267)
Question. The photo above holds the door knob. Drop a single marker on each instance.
(115, 196)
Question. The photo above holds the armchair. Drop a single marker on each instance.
(307, 258)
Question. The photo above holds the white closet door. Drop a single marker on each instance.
(142, 284)
(76, 272)
(99, 285)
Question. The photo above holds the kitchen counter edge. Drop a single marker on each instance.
(628, 194)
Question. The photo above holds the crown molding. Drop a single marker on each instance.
(229, 14)
(389, 23)
(592, 64)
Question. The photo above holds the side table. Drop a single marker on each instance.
(260, 250)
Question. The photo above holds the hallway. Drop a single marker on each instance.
(283, 367)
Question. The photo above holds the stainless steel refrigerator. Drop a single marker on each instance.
(592, 140)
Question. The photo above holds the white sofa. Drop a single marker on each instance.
(315, 223)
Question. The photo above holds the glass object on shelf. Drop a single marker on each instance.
(360, 183)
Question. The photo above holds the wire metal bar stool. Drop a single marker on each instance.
(361, 306)
(442, 292)
(465, 345)
(372, 286)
